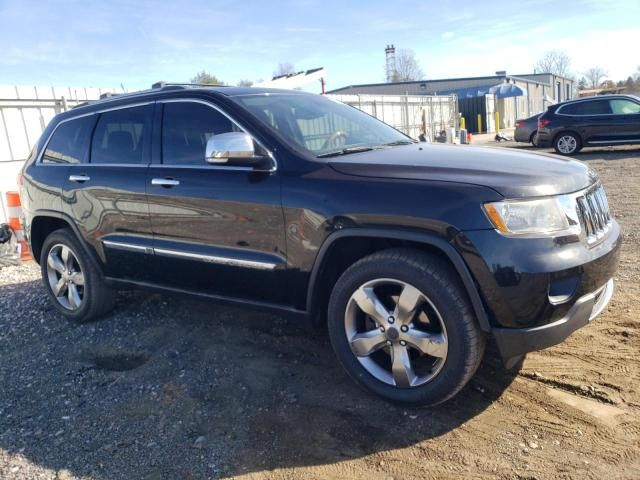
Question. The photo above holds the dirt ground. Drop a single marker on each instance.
(173, 388)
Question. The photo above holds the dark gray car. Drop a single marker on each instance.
(527, 130)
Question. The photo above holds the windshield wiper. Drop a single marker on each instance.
(399, 142)
(345, 151)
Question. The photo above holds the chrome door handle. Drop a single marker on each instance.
(165, 182)
(79, 178)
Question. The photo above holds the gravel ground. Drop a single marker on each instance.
(173, 388)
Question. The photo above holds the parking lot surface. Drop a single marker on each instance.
(174, 388)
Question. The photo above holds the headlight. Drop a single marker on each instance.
(534, 217)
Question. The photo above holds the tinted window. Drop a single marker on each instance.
(121, 136)
(593, 107)
(186, 127)
(70, 141)
(624, 107)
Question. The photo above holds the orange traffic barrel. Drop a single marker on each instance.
(15, 212)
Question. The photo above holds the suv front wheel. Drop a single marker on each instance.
(74, 285)
(402, 326)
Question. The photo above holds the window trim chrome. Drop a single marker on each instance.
(273, 169)
(38, 159)
(593, 99)
(270, 154)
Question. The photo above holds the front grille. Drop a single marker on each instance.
(594, 215)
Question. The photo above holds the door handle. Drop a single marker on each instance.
(79, 178)
(165, 182)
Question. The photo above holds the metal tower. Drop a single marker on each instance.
(390, 53)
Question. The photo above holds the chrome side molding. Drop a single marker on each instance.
(207, 258)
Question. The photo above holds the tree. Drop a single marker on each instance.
(554, 61)
(407, 67)
(582, 83)
(594, 76)
(636, 76)
(245, 83)
(630, 83)
(206, 78)
(285, 68)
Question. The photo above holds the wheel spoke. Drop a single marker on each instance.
(67, 257)
(371, 305)
(434, 344)
(401, 369)
(409, 300)
(54, 262)
(77, 278)
(59, 289)
(73, 296)
(364, 344)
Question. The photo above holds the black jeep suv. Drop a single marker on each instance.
(590, 122)
(411, 254)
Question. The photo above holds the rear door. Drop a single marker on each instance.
(627, 119)
(592, 119)
(217, 229)
(105, 193)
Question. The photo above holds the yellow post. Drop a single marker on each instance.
(479, 123)
(463, 124)
(497, 121)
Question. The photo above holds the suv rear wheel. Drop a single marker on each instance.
(402, 326)
(567, 143)
(73, 283)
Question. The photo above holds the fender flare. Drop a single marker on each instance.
(419, 237)
(92, 254)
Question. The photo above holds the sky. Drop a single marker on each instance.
(135, 43)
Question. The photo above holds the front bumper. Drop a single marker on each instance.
(513, 343)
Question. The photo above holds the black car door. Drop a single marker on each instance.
(217, 229)
(593, 120)
(627, 119)
(105, 194)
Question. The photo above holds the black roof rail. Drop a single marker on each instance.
(162, 84)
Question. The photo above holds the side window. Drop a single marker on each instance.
(121, 136)
(70, 141)
(591, 107)
(624, 107)
(186, 127)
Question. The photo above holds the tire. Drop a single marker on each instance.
(533, 138)
(567, 143)
(77, 273)
(451, 322)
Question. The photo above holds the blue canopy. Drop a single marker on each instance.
(503, 90)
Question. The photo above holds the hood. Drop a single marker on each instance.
(512, 173)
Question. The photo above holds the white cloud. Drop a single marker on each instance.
(448, 35)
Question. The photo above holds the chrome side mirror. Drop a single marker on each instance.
(232, 146)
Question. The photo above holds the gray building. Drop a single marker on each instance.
(512, 96)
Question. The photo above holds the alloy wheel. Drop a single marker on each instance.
(567, 144)
(65, 277)
(396, 333)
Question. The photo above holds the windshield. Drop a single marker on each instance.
(322, 126)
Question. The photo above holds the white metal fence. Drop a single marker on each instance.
(411, 114)
(25, 111)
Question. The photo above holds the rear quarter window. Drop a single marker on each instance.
(70, 141)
